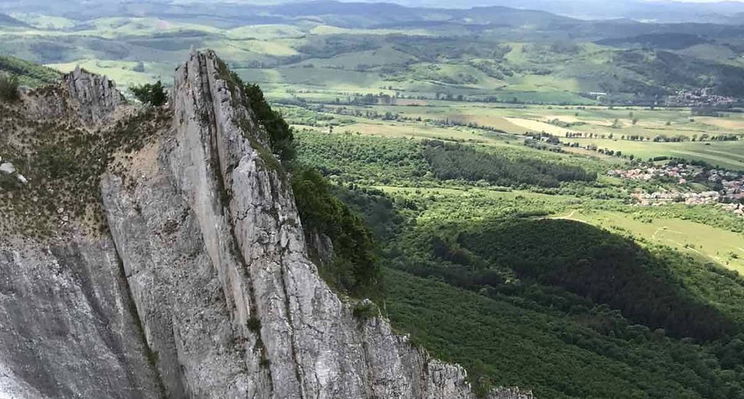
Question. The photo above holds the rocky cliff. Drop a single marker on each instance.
(196, 283)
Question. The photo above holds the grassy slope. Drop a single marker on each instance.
(29, 74)
(697, 239)
(728, 155)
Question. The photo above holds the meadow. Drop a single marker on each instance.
(710, 244)
(503, 124)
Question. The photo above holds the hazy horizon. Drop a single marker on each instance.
(726, 12)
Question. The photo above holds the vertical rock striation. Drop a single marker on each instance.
(94, 97)
(258, 321)
(203, 288)
(85, 98)
(67, 329)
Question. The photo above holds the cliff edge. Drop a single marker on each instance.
(197, 283)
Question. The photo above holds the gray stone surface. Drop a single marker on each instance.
(214, 250)
(203, 288)
(7, 168)
(94, 97)
(66, 326)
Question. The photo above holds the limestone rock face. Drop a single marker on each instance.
(67, 327)
(217, 263)
(81, 97)
(7, 168)
(94, 97)
(203, 287)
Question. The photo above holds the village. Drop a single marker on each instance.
(697, 185)
(699, 98)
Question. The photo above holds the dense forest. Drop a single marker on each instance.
(564, 308)
(456, 161)
(603, 267)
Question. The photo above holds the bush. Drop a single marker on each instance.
(354, 269)
(8, 87)
(153, 94)
(280, 133)
(254, 324)
(365, 310)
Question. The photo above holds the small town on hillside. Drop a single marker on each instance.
(699, 98)
(721, 186)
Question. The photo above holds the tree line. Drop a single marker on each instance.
(450, 161)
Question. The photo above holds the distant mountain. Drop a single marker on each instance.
(640, 10)
(667, 41)
(393, 10)
(8, 21)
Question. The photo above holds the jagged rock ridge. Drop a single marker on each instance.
(206, 243)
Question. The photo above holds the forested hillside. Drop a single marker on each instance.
(28, 73)
(564, 307)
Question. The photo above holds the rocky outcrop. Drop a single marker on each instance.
(82, 97)
(203, 288)
(8, 169)
(319, 247)
(94, 97)
(68, 328)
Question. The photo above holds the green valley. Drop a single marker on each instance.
(554, 203)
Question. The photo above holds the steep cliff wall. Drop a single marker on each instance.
(206, 243)
(68, 328)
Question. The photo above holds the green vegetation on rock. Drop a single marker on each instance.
(152, 94)
(280, 133)
(353, 268)
(8, 88)
(63, 164)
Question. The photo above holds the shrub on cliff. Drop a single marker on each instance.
(354, 269)
(153, 94)
(8, 87)
(281, 136)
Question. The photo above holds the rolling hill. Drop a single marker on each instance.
(28, 73)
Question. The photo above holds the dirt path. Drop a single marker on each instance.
(570, 216)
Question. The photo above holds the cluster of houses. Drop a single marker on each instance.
(723, 186)
(698, 98)
(682, 173)
(668, 197)
(735, 208)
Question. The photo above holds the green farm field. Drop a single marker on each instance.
(601, 127)
(712, 244)
(729, 155)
